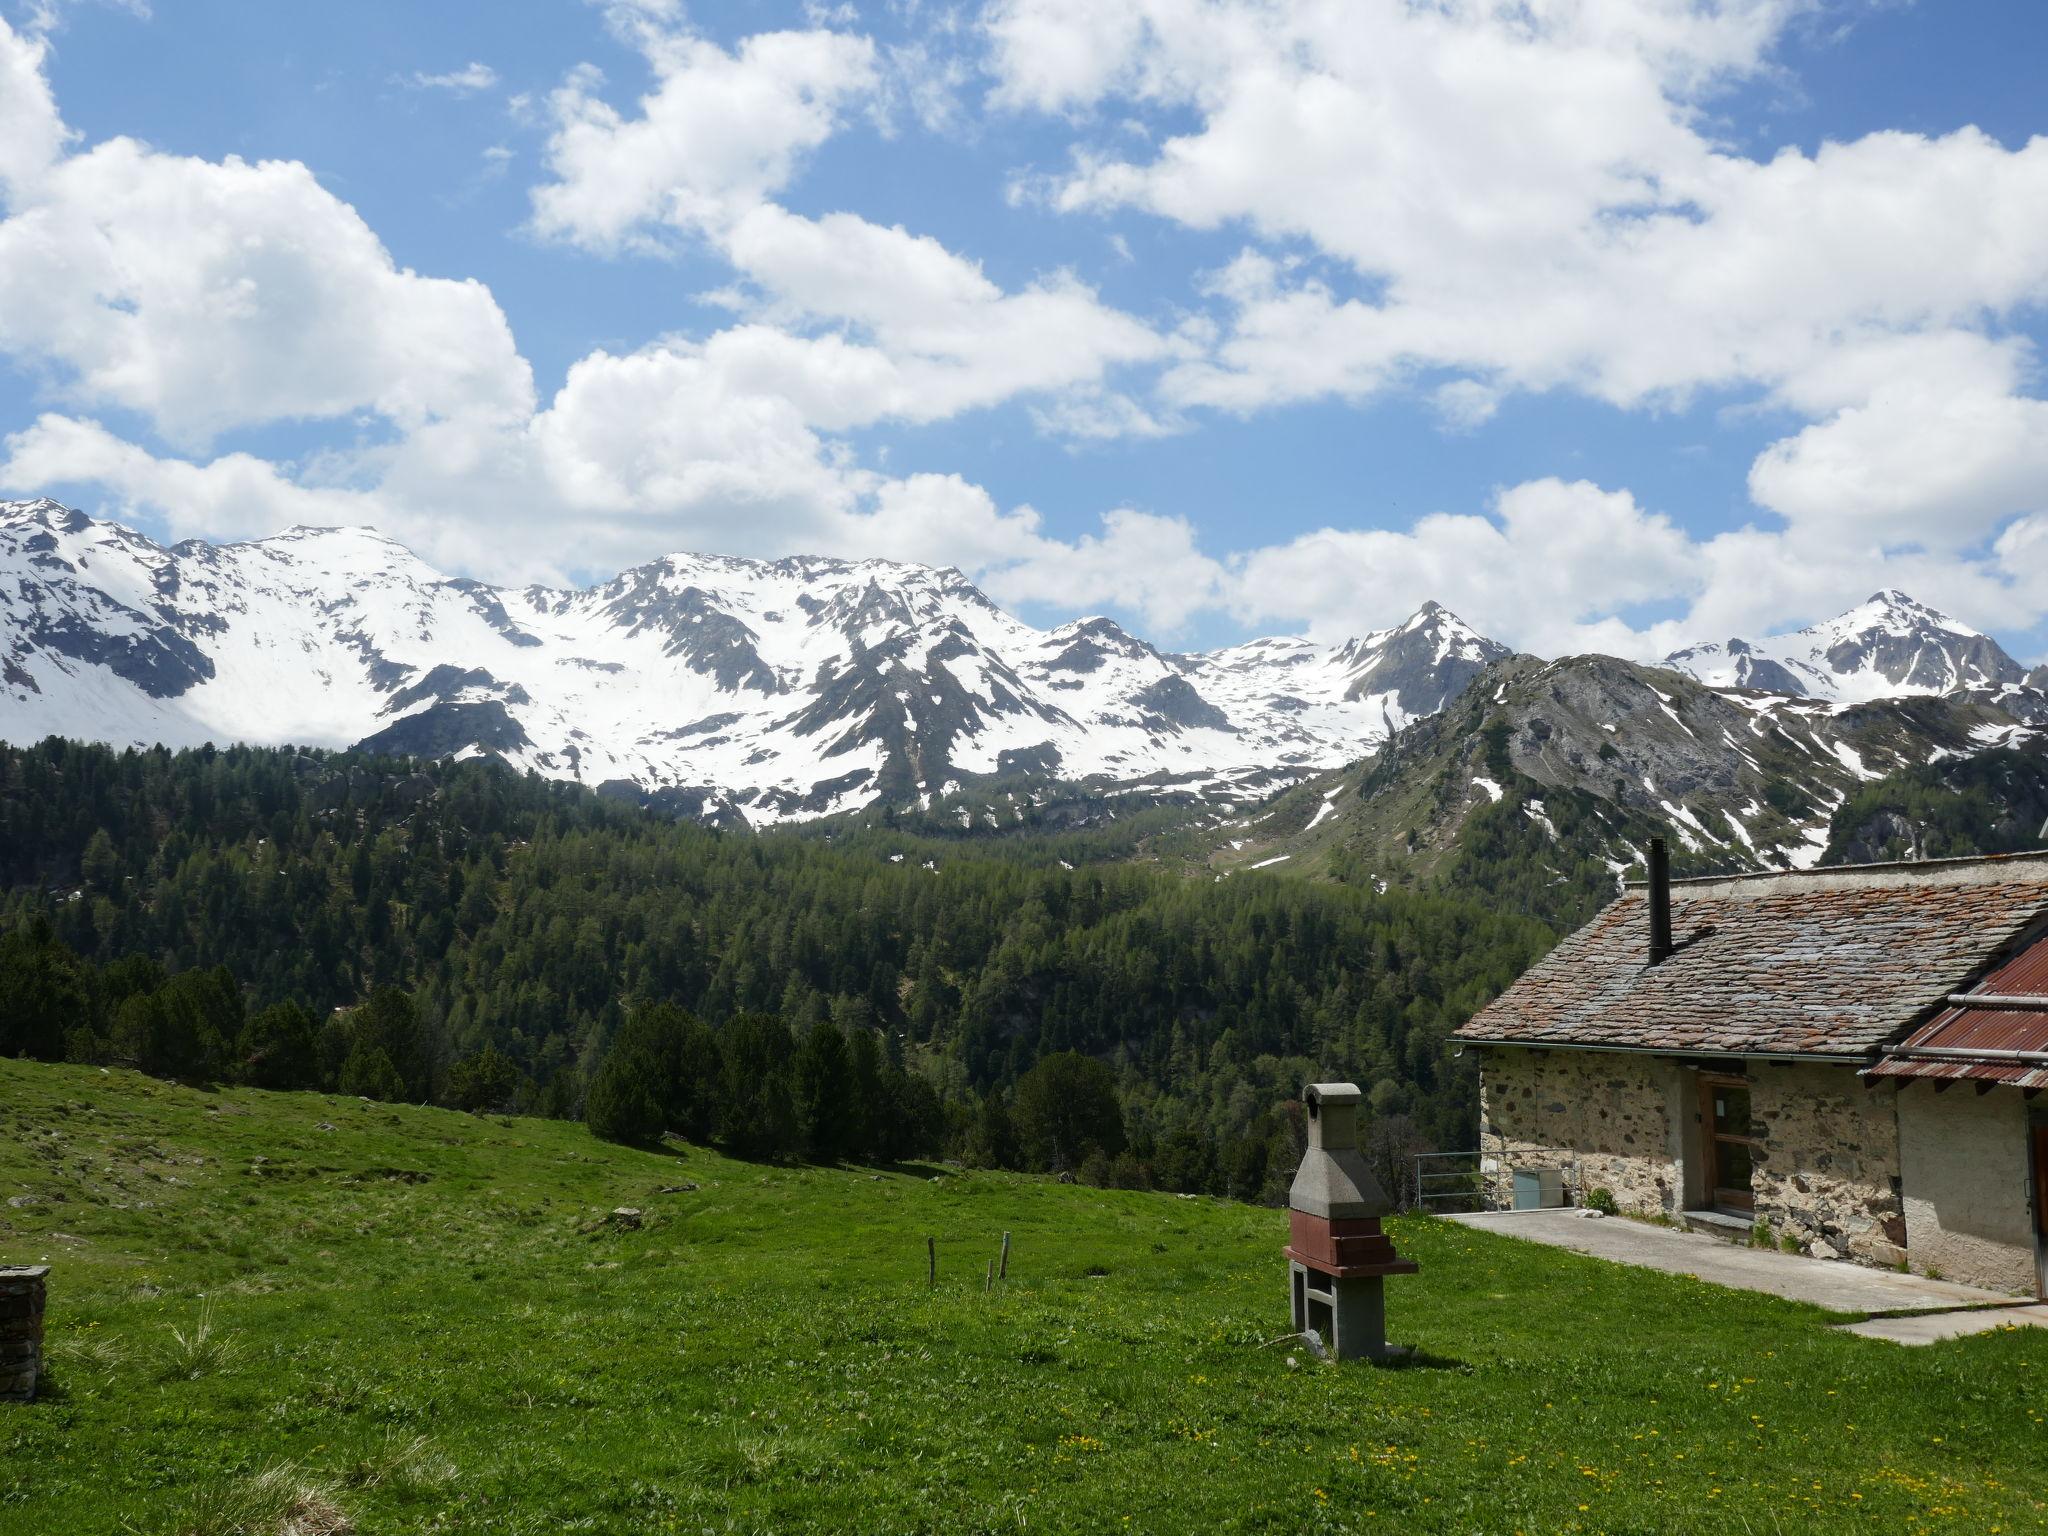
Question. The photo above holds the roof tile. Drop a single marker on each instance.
(1832, 962)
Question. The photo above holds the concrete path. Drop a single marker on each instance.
(1836, 1285)
(1933, 1327)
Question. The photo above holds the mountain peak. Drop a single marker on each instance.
(1890, 644)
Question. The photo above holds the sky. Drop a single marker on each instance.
(1610, 324)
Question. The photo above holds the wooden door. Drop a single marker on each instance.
(1728, 1139)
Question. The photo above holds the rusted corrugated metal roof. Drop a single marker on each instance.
(1996, 1032)
(1825, 962)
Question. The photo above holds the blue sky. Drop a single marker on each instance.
(1637, 322)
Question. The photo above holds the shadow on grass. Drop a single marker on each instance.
(1420, 1360)
(49, 1392)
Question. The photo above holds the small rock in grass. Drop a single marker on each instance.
(627, 1218)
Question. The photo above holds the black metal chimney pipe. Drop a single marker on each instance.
(1660, 901)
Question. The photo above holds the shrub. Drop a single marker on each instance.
(205, 1350)
(277, 1501)
(1601, 1199)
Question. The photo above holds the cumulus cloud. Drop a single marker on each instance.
(233, 496)
(1527, 198)
(1462, 200)
(722, 134)
(209, 295)
(32, 135)
(718, 134)
(1547, 570)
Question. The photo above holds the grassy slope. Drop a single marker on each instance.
(764, 1355)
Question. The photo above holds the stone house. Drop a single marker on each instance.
(1847, 1058)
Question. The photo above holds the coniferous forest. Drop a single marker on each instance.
(456, 933)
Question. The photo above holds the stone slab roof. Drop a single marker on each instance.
(1826, 962)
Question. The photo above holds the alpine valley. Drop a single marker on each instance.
(754, 693)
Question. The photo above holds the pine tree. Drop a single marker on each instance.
(757, 1115)
(368, 1073)
(42, 993)
(1067, 1111)
(275, 1049)
(823, 1086)
(621, 1105)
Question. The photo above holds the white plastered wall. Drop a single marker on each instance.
(1963, 1157)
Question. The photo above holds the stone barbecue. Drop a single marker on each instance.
(22, 1289)
(1337, 1257)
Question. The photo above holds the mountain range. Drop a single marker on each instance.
(733, 689)
(752, 692)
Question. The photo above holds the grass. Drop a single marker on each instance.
(388, 1319)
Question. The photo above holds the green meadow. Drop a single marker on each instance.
(293, 1313)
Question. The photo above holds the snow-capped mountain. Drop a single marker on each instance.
(1883, 648)
(723, 687)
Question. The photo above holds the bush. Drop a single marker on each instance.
(1601, 1199)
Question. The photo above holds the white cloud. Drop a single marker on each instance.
(234, 496)
(720, 133)
(1528, 197)
(1544, 572)
(466, 81)
(1912, 464)
(32, 135)
(1142, 562)
(958, 340)
(210, 295)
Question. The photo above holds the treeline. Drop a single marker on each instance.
(529, 923)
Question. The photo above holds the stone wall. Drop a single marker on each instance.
(1842, 1171)
(1614, 1110)
(1964, 1157)
(21, 1331)
(1829, 1155)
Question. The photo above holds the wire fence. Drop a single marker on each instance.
(1449, 1182)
